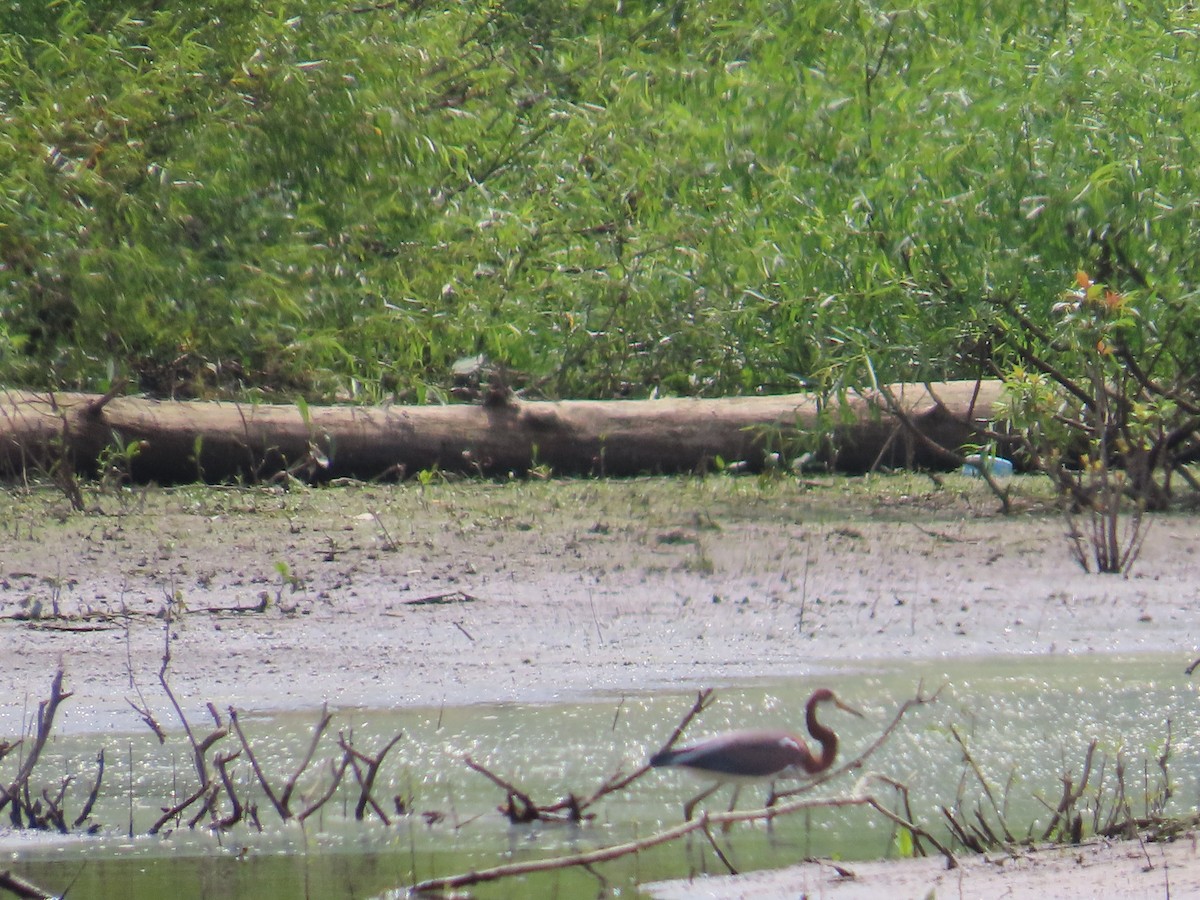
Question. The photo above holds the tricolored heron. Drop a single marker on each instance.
(740, 757)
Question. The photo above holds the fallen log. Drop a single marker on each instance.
(219, 441)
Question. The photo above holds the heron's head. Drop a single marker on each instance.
(824, 696)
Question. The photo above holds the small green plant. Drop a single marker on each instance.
(539, 470)
(288, 580)
(701, 563)
(115, 463)
(430, 476)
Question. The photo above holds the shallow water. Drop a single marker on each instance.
(1027, 721)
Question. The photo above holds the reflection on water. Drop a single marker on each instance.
(1026, 721)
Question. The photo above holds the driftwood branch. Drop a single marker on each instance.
(701, 823)
(25, 890)
(528, 811)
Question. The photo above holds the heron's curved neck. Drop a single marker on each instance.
(823, 735)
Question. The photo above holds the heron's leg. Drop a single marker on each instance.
(771, 798)
(691, 804)
(737, 789)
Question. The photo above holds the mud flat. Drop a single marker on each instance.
(459, 593)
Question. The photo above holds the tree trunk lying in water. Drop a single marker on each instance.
(218, 441)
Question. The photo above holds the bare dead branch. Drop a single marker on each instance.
(969, 759)
(280, 807)
(519, 807)
(614, 783)
(366, 781)
(45, 722)
(337, 770)
(96, 406)
(199, 749)
(914, 829)
(909, 820)
(209, 796)
(704, 699)
(952, 456)
(318, 730)
(592, 857)
(54, 808)
(91, 799)
(282, 801)
(962, 833)
(1071, 794)
(527, 813)
(717, 850)
(207, 789)
(177, 810)
(148, 717)
(222, 762)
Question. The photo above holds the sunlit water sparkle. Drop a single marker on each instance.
(1026, 722)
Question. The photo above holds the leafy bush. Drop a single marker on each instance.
(341, 199)
(1105, 402)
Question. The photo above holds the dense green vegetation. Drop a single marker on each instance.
(340, 199)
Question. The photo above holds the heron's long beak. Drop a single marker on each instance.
(846, 707)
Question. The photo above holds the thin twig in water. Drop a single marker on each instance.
(337, 770)
(704, 699)
(987, 789)
(282, 802)
(1071, 794)
(510, 789)
(717, 850)
(91, 798)
(572, 808)
(366, 782)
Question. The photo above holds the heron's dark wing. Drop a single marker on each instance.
(744, 754)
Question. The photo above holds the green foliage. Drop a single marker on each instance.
(1112, 379)
(339, 200)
